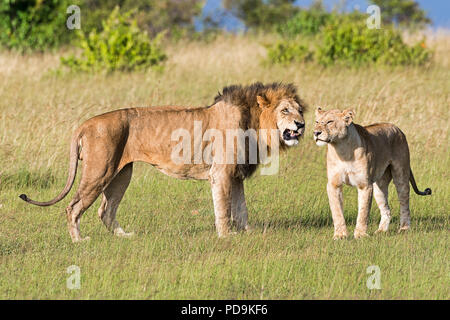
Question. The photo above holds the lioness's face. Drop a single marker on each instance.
(290, 122)
(331, 125)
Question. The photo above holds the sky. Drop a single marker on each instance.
(438, 11)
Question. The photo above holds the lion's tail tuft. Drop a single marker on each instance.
(426, 192)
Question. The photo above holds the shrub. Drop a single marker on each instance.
(306, 22)
(261, 14)
(285, 52)
(121, 45)
(33, 25)
(353, 43)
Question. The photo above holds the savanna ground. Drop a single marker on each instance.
(175, 253)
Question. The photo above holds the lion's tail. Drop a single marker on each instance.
(426, 192)
(73, 164)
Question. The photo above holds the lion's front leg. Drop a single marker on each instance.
(364, 203)
(239, 212)
(221, 186)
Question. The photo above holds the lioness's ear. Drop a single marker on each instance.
(319, 111)
(348, 116)
(262, 101)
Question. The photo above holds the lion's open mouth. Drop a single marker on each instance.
(291, 134)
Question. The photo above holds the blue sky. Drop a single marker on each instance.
(437, 10)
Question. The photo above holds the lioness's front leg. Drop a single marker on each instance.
(364, 203)
(336, 206)
(239, 212)
(221, 186)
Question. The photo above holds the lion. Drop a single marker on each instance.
(367, 158)
(110, 143)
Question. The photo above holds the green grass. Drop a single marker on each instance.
(175, 253)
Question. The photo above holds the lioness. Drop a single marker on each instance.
(366, 158)
(108, 145)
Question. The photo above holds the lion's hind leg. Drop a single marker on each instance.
(380, 193)
(111, 198)
(239, 213)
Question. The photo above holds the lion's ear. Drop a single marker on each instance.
(348, 116)
(262, 101)
(319, 111)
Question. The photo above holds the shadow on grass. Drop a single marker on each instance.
(423, 223)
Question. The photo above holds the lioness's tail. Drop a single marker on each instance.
(73, 164)
(426, 192)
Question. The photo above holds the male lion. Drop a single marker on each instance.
(366, 158)
(108, 145)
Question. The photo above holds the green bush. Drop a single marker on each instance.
(121, 45)
(353, 43)
(285, 52)
(306, 22)
(344, 39)
(33, 25)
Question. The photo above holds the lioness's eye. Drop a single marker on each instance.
(330, 121)
(285, 111)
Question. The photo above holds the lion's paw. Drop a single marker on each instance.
(381, 231)
(403, 229)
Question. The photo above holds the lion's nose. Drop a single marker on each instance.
(317, 133)
(299, 124)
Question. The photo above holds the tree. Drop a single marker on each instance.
(404, 13)
(262, 14)
(153, 16)
(33, 24)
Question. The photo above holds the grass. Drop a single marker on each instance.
(175, 253)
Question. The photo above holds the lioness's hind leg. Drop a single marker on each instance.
(82, 201)
(111, 198)
(400, 176)
(380, 193)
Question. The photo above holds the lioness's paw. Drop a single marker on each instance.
(81, 240)
(340, 236)
(227, 234)
(125, 234)
(121, 233)
(381, 231)
(360, 234)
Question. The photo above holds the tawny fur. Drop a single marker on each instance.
(367, 158)
(108, 145)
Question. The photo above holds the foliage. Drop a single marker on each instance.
(305, 22)
(262, 14)
(284, 52)
(345, 38)
(153, 16)
(121, 45)
(406, 13)
(33, 25)
(353, 43)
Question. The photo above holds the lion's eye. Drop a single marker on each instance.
(330, 121)
(285, 111)
(301, 112)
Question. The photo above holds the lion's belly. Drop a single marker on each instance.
(198, 172)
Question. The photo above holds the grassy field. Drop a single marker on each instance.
(175, 253)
